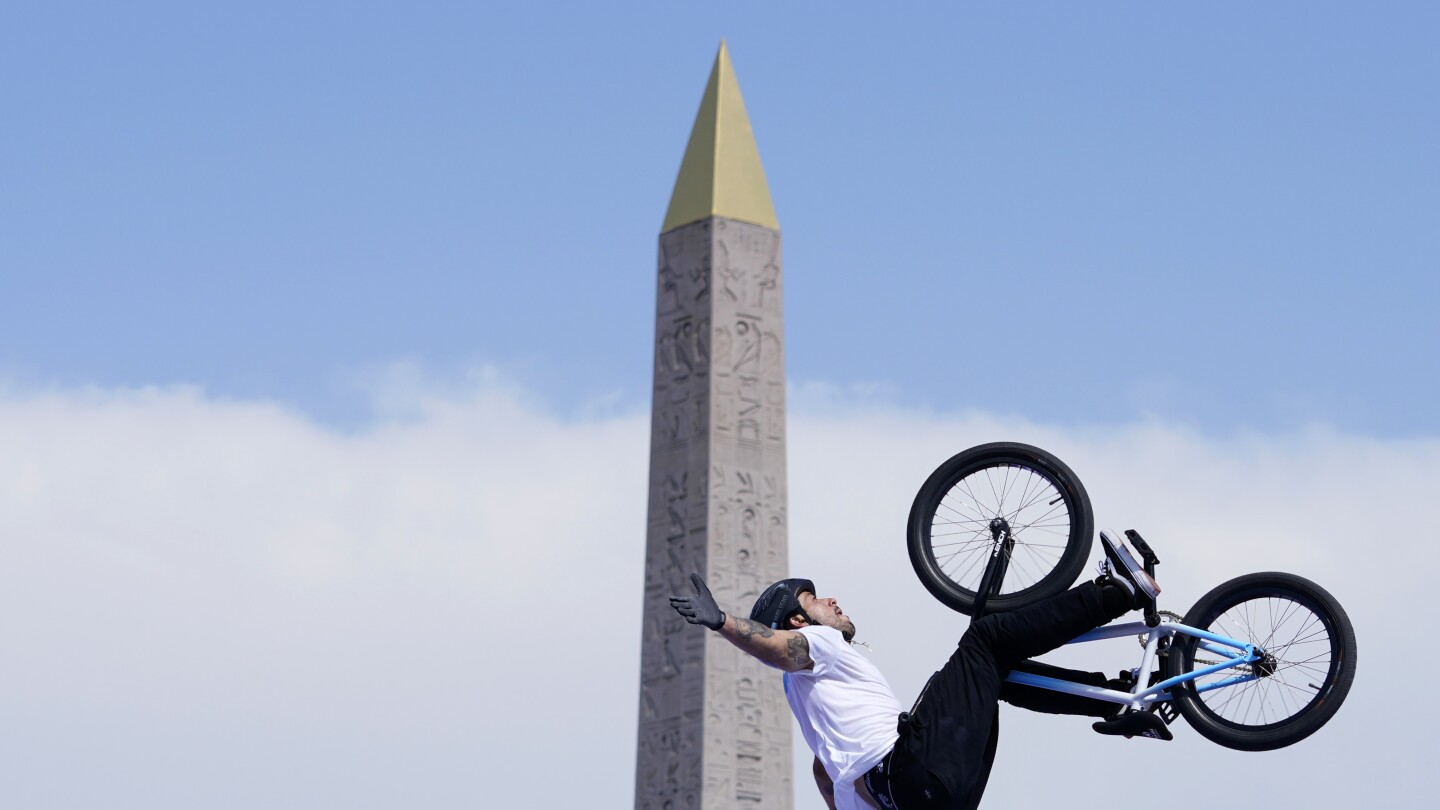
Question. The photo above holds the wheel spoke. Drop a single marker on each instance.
(1037, 508)
(1281, 626)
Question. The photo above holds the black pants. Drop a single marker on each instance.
(947, 743)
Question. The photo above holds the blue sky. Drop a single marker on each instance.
(1222, 217)
(325, 344)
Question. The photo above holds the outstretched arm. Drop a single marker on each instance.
(827, 787)
(781, 649)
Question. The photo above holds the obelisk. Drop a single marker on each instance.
(714, 727)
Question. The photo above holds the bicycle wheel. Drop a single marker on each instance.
(1000, 487)
(1309, 662)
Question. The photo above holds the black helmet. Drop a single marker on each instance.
(779, 601)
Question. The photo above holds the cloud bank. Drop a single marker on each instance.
(211, 603)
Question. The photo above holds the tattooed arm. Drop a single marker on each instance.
(781, 649)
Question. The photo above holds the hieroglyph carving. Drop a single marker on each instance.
(714, 727)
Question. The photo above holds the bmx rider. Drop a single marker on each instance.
(871, 754)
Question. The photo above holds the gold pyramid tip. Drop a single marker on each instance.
(721, 175)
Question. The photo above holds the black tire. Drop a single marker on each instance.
(1044, 503)
(1312, 644)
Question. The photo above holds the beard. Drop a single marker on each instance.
(847, 631)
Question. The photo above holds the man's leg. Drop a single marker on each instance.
(1049, 701)
(955, 716)
(1033, 631)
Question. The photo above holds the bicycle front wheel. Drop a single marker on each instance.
(1309, 662)
(992, 488)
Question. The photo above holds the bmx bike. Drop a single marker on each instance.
(1258, 663)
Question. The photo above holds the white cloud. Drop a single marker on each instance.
(222, 604)
(1346, 511)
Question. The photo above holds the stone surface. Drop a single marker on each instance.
(714, 729)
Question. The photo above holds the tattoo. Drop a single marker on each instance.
(797, 650)
(746, 629)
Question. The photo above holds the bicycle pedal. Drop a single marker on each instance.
(1166, 710)
(1147, 553)
(1135, 724)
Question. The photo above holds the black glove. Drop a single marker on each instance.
(700, 608)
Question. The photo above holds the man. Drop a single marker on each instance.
(868, 753)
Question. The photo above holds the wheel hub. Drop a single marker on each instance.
(999, 529)
(1266, 666)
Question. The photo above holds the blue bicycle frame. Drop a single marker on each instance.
(1235, 654)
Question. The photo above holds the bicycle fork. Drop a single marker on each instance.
(1002, 542)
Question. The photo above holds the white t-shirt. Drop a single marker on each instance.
(846, 709)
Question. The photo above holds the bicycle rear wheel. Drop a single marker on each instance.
(1306, 674)
(1009, 487)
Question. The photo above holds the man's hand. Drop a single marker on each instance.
(700, 608)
